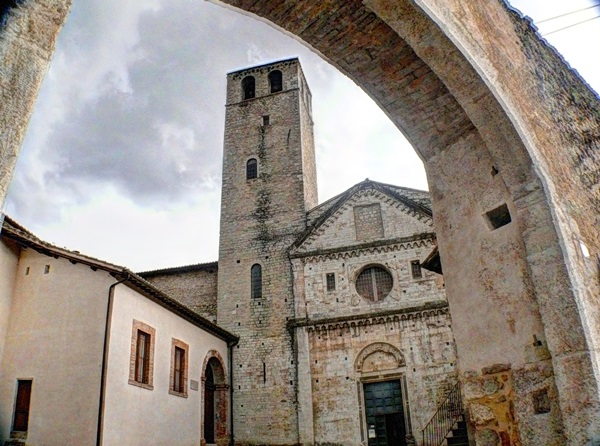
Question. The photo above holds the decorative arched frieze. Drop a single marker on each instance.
(427, 241)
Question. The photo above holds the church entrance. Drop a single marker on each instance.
(209, 406)
(385, 414)
(215, 401)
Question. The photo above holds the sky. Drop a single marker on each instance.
(122, 158)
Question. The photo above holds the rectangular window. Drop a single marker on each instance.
(141, 364)
(21, 416)
(330, 278)
(415, 267)
(179, 368)
(142, 359)
(179, 364)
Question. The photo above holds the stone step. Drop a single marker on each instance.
(457, 441)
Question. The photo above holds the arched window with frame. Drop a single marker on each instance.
(256, 281)
(248, 87)
(251, 169)
(276, 81)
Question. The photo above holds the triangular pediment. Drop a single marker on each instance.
(368, 213)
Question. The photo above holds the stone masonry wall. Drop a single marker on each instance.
(425, 340)
(27, 41)
(339, 324)
(260, 219)
(196, 288)
(339, 229)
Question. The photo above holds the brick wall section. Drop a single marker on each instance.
(194, 287)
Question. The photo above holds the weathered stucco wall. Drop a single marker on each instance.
(56, 324)
(137, 415)
(9, 261)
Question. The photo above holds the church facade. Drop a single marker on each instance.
(345, 339)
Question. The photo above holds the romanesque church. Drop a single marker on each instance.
(320, 324)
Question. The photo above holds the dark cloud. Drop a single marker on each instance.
(138, 103)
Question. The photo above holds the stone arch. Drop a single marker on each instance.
(468, 83)
(248, 87)
(215, 400)
(379, 357)
(476, 92)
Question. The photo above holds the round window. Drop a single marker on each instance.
(374, 283)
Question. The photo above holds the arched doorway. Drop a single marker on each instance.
(380, 368)
(215, 398)
(209, 406)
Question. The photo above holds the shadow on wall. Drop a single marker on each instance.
(5, 8)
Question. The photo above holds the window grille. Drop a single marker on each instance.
(415, 267)
(256, 281)
(374, 283)
(248, 87)
(251, 169)
(276, 81)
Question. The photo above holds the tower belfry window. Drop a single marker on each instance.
(276, 81)
(251, 169)
(256, 281)
(248, 87)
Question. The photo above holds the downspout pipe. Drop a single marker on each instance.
(109, 309)
(230, 346)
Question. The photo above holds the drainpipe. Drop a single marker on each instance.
(230, 346)
(109, 308)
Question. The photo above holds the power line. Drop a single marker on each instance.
(568, 13)
(571, 26)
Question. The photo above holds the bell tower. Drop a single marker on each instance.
(269, 183)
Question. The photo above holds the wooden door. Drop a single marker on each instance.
(21, 419)
(209, 406)
(385, 416)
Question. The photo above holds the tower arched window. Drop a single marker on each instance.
(248, 87)
(276, 81)
(256, 281)
(251, 169)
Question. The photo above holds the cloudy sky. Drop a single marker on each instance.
(123, 154)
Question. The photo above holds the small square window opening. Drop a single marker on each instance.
(415, 268)
(498, 217)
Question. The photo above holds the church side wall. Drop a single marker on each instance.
(55, 338)
(9, 261)
(138, 415)
(196, 290)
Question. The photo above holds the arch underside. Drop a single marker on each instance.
(497, 119)
(480, 126)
